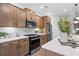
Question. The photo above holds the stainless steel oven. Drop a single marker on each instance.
(34, 43)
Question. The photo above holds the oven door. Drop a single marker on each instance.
(34, 43)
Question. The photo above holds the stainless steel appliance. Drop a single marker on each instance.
(49, 31)
(31, 23)
(34, 43)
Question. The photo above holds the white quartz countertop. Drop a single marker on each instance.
(12, 38)
(55, 46)
(18, 38)
(36, 33)
(41, 33)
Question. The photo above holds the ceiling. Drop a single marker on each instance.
(55, 9)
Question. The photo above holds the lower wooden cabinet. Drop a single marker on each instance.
(0, 50)
(14, 51)
(6, 51)
(15, 48)
(43, 39)
(24, 47)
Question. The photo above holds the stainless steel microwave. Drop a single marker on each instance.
(31, 24)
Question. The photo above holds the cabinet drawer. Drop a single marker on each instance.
(23, 40)
(14, 42)
(9, 43)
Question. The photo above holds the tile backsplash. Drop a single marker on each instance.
(13, 31)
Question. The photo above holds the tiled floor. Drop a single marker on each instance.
(44, 52)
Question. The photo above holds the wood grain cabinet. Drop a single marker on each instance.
(0, 50)
(7, 15)
(15, 48)
(10, 48)
(21, 18)
(43, 39)
(11, 16)
(39, 22)
(30, 14)
(24, 47)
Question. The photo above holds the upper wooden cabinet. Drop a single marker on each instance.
(30, 15)
(11, 16)
(7, 15)
(46, 20)
(21, 18)
(39, 21)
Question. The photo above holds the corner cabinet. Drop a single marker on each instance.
(15, 48)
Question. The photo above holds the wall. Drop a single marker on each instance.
(55, 30)
(13, 31)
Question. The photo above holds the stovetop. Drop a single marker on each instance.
(32, 35)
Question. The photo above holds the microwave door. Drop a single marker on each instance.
(31, 24)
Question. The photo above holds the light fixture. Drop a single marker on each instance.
(77, 49)
(77, 28)
(76, 15)
(65, 10)
(41, 7)
(75, 22)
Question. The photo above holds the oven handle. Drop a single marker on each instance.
(35, 38)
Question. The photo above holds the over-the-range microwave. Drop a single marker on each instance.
(31, 24)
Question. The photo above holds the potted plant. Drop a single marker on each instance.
(3, 34)
(64, 27)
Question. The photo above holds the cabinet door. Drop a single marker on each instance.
(45, 39)
(33, 15)
(39, 22)
(0, 50)
(10, 48)
(21, 18)
(41, 40)
(7, 15)
(14, 51)
(24, 48)
(28, 14)
(6, 51)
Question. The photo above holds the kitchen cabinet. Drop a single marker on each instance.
(24, 47)
(39, 22)
(46, 20)
(7, 15)
(14, 51)
(30, 14)
(21, 18)
(43, 39)
(15, 48)
(12, 16)
(0, 50)
(5, 49)
(10, 48)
